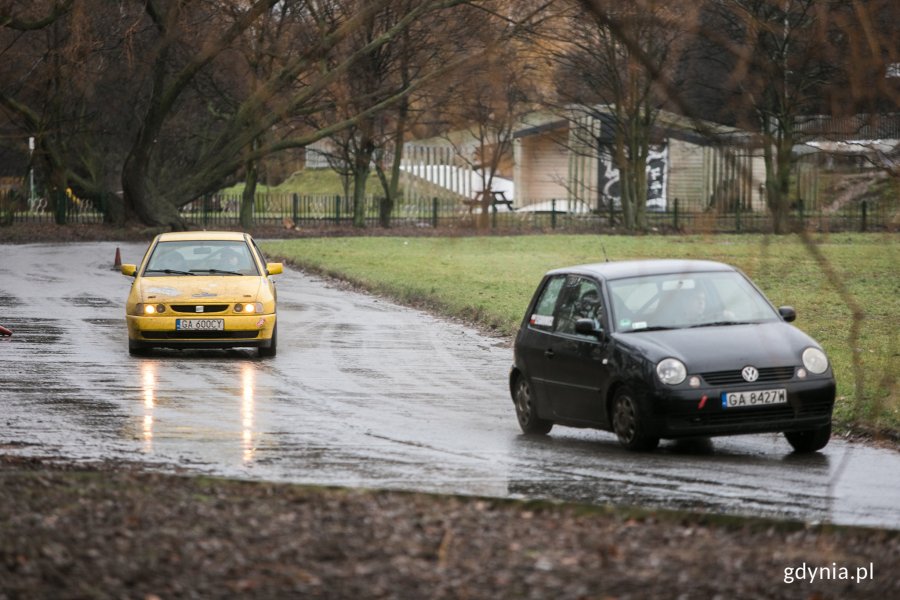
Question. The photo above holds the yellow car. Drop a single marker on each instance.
(208, 289)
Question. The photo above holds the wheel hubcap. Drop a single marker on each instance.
(523, 398)
(623, 420)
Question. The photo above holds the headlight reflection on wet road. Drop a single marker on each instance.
(150, 388)
(148, 378)
(248, 380)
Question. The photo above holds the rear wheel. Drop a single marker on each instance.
(526, 412)
(629, 424)
(266, 352)
(809, 441)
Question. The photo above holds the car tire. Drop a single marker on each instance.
(270, 350)
(811, 440)
(629, 424)
(136, 348)
(526, 411)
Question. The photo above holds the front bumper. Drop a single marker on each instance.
(239, 331)
(684, 413)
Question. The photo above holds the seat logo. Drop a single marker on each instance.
(750, 374)
(199, 308)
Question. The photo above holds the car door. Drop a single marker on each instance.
(577, 369)
(534, 338)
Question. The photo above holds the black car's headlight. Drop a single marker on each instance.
(671, 371)
(815, 361)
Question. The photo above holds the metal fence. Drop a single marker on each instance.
(63, 208)
(320, 211)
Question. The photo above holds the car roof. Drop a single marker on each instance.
(186, 236)
(637, 268)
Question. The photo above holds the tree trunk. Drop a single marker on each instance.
(248, 198)
(386, 204)
(152, 210)
(778, 172)
(361, 169)
(392, 186)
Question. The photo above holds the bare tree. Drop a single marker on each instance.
(484, 107)
(612, 57)
(180, 136)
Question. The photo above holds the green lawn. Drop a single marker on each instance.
(490, 279)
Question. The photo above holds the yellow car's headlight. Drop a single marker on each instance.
(145, 310)
(248, 307)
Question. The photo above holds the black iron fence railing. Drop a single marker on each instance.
(311, 211)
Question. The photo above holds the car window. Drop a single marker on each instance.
(580, 300)
(212, 257)
(542, 317)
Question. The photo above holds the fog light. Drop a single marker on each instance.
(694, 381)
(149, 309)
(249, 308)
(801, 373)
(160, 308)
(238, 308)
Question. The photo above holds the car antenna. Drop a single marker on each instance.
(602, 247)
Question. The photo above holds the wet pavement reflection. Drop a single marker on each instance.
(362, 393)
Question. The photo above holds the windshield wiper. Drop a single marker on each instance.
(215, 271)
(654, 328)
(720, 323)
(168, 271)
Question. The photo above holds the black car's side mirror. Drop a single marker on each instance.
(787, 313)
(588, 327)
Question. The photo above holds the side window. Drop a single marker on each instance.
(580, 300)
(542, 317)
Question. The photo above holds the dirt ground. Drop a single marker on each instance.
(123, 531)
(120, 531)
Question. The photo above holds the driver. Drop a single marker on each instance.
(229, 260)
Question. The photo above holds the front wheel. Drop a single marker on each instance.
(267, 352)
(136, 348)
(526, 412)
(629, 424)
(810, 440)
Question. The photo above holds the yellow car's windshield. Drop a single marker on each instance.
(210, 257)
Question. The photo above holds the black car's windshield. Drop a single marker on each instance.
(201, 257)
(682, 300)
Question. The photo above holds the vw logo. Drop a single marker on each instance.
(750, 374)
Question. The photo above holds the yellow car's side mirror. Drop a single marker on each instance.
(129, 270)
(274, 268)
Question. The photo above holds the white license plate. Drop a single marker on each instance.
(199, 324)
(754, 398)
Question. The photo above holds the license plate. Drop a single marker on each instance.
(199, 324)
(754, 398)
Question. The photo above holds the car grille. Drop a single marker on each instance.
(199, 335)
(804, 406)
(207, 308)
(767, 374)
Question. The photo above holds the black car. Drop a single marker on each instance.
(667, 349)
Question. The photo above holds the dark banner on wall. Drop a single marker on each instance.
(657, 169)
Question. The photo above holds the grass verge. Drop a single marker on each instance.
(845, 287)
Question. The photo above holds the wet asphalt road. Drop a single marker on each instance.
(362, 393)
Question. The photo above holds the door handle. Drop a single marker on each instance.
(549, 353)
